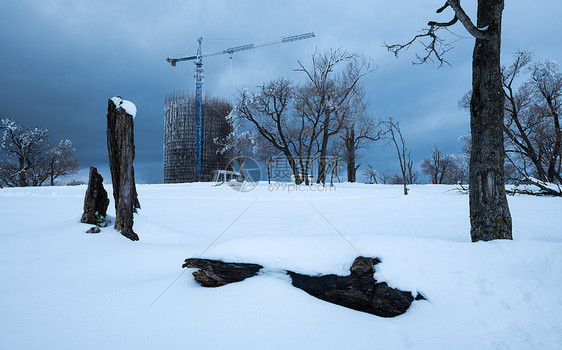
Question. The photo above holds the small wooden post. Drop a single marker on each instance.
(96, 200)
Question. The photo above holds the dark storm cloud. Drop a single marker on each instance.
(62, 60)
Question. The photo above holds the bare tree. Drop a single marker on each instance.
(521, 120)
(385, 178)
(546, 85)
(489, 212)
(404, 154)
(531, 122)
(331, 95)
(441, 168)
(435, 165)
(270, 112)
(359, 132)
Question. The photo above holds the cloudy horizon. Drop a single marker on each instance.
(62, 61)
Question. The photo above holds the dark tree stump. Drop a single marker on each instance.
(121, 153)
(96, 200)
(214, 273)
(358, 291)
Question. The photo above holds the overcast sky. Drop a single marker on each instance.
(61, 60)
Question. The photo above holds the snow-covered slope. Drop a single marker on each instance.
(61, 288)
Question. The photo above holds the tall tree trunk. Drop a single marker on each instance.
(322, 161)
(350, 150)
(489, 211)
(294, 167)
(553, 174)
(21, 174)
(404, 182)
(268, 165)
(52, 174)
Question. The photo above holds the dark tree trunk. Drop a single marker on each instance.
(96, 200)
(350, 150)
(21, 176)
(324, 150)
(121, 152)
(489, 211)
(322, 161)
(404, 182)
(553, 173)
(294, 167)
(268, 165)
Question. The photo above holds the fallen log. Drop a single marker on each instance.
(214, 273)
(358, 291)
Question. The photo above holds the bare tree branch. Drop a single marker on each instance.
(437, 46)
(466, 21)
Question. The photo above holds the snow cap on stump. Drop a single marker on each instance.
(128, 106)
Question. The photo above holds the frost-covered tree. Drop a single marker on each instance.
(59, 161)
(25, 145)
(238, 145)
(29, 159)
(271, 112)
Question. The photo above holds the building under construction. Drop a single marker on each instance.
(180, 137)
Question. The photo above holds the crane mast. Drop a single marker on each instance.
(199, 78)
(199, 75)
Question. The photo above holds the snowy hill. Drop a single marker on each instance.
(61, 288)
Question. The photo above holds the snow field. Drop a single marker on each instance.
(61, 288)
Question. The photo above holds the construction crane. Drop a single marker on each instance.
(199, 75)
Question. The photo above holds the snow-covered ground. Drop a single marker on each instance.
(61, 288)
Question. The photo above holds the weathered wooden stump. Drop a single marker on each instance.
(96, 200)
(121, 153)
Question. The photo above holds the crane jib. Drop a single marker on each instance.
(232, 50)
(239, 48)
(297, 37)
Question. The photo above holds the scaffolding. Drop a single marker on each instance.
(183, 147)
